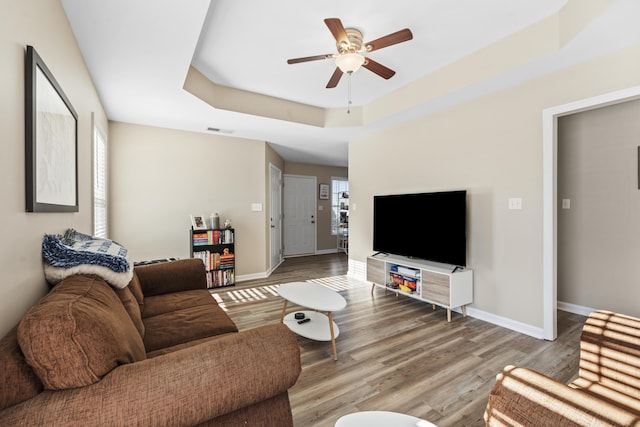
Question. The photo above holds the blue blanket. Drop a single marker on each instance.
(76, 248)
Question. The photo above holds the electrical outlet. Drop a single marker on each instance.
(515, 203)
(566, 203)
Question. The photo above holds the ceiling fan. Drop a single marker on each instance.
(351, 50)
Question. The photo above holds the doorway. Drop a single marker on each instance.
(550, 194)
(299, 224)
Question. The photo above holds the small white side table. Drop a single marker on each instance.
(381, 419)
(321, 327)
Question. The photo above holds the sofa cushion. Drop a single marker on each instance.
(130, 304)
(173, 276)
(18, 380)
(77, 333)
(160, 304)
(187, 324)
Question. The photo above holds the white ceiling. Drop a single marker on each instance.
(139, 51)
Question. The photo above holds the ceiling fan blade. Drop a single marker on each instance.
(335, 78)
(389, 39)
(379, 69)
(336, 28)
(309, 58)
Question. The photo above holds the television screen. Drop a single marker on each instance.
(430, 226)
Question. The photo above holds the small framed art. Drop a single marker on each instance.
(324, 192)
(198, 222)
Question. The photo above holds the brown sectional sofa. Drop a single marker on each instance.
(606, 392)
(159, 352)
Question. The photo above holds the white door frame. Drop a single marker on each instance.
(275, 207)
(549, 192)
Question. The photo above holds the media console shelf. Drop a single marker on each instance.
(433, 283)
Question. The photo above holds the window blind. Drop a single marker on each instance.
(99, 184)
(338, 185)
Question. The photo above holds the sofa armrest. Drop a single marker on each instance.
(172, 276)
(522, 396)
(186, 387)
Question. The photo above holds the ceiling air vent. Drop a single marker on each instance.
(218, 130)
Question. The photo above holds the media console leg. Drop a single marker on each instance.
(449, 315)
(464, 311)
(373, 285)
(433, 306)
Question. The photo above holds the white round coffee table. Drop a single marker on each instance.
(320, 327)
(381, 419)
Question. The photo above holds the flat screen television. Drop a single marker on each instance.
(429, 226)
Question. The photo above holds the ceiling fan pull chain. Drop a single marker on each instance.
(349, 103)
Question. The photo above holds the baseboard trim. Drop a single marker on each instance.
(245, 277)
(327, 251)
(317, 252)
(575, 308)
(514, 325)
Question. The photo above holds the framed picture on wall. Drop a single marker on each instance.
(51, 141)
(324, 192)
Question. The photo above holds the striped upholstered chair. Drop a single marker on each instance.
(606, 392)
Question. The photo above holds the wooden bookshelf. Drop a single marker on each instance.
(216, 249)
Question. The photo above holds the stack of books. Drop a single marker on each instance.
(201, 238)
(226, 260)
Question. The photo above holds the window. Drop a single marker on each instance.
(99, 184)
(338, 185)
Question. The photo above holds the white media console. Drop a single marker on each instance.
(429, 282)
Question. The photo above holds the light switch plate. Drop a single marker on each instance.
(515, 203)
(256, 207)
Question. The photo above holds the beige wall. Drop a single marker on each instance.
(159, 177)
(43, 25)
(491, 146)
(325, 241)
(598, 244)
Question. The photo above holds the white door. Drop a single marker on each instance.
(299, 214)
(275, 183)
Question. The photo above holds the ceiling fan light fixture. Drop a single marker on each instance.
(349, 62)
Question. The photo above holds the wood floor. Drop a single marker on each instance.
(397, 354)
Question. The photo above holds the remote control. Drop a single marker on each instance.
(304, 321)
